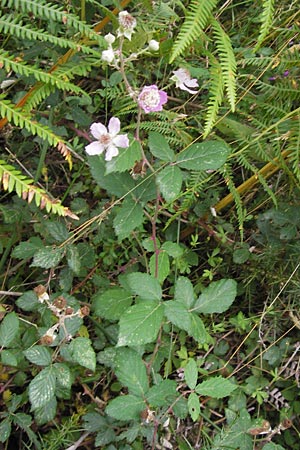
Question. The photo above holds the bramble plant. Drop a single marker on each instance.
(141, 315)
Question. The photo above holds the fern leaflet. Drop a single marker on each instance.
(13, 180)
(196, 19)
(48, 11)
(266, 17)
(215, 96)
(10, 63)
(10, 25)
(227, 61)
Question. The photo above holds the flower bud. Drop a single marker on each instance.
(108, 55)
(153, 45)
(110, 38)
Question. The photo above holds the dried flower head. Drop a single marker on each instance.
(127, 24)
(41, 293)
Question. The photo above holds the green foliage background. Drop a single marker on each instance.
(150, 301)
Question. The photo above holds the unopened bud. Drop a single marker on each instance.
(108, 55)
(110, 38)
(153, 45)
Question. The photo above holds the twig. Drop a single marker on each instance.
(77, 443)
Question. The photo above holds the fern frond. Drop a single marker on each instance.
(12, 180)
(23, 120)
(196, 19)
(293, 146)
(14, 27)
(48, 11)
(266, 19)
(227, 61)
(11, 63)
(216, 92)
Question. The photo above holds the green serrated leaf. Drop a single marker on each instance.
(28, 301)
(169, 181)
(140, 324)
(9, 329)
(197, 329)
(57, 230)
(208, 155)
(42, 388)
(63, 375)
(178, 314)
(217, 297)
(129, 216)
(145, 286)
(172, 249)
(126, 407)
(46, 413)
(191, 374)
(216, 387)
(184, 291)
(161, 264)
(131, 371)
(73, 259)
(39, 355)
(5, 429)
(112, 303)
(118, 184)
(47, 257)
(162, 394)
(27, 249)
(8, 358)
(126, 158)
(194, 406)
(159, 147)
(82, 352)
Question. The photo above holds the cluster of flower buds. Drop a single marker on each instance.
(61, 310)
(127, 24)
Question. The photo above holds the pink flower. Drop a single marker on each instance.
(107, 140)
(183, 80)
(151, 99)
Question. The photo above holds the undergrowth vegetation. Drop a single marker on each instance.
(150, 224)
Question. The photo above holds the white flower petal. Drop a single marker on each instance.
(111, 152)
(121, 141)
(95, 148)
(97, 130)
(114, 126)
(183, 87)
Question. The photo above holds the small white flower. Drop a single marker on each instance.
(183, 80)
(108, 55)
(127, 24)
(107, 140)
(153, 45)
(110, 38)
